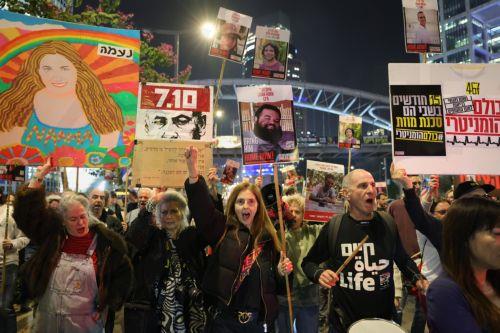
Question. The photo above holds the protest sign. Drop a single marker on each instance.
(292, 181)
(68, 91)
(271, 53)
(350, 132)
(421, 22)
(174, 111)
(417, 119)
(267, 124)
(231, 35)
(470, 107)
(323, 185)
(162, 163)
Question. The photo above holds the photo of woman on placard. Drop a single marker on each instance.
(270, 55)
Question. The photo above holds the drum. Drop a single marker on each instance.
(375, 325)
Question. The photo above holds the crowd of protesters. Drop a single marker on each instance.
(187, 261)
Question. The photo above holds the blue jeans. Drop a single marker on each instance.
(8, 322)
(305, 319)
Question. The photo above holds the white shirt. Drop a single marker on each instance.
(422, 35)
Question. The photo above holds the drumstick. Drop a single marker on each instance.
(348, 260)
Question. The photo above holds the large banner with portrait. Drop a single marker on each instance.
(446, 118)
(271, 53)
(68, 91)
(267, 124)
(174, 111)
(421, 22)
(323, 185)
(231, 33)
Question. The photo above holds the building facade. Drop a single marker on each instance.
(470, 31)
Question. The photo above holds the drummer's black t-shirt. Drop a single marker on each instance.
(365, 288)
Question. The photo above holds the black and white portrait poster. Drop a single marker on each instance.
(267, 124)
(421, 22)
(271, 53)
(417, 120)
(231, 35)
(470, 106)
(174, 111)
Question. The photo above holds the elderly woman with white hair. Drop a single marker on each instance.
(168, 262)
(81, 269)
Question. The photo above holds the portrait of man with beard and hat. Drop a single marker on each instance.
(268, 134)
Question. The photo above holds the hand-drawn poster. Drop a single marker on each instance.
(470, 96)
(267, 124)
(68, 91)
(350, 131)
(230, 170)
(421, 22)
(174, 111)
(231, 35)
(417, 120)
(271, 53)
(323, 185)
(162, 163)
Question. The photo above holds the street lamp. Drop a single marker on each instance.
(208, 30)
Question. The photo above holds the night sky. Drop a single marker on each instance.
(344, 43)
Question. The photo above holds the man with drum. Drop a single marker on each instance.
(359, 248)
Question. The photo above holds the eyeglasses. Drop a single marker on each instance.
(416, 183)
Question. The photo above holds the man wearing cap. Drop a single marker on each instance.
(229, 36)
(427, 224)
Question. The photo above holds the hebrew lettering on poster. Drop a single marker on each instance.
(68, 91)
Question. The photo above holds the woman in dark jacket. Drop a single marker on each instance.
(245, 272)
(80, 271)
(168, 263)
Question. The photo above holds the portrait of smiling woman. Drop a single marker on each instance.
(56, 96)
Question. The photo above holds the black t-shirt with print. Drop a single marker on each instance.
(365, 288)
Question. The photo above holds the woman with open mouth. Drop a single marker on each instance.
(245, 272)
(81, 270)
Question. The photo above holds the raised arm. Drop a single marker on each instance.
(209, 221)
(425, 223)
(33, 217)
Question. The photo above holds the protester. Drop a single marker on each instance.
(114, 207)
(53, 200)
(13, 240)
(300, 237)
(245, 271)
(132, 200)
(365, 288)
(427, 224)
(168, 265)
(144, 195)
(98, 204)
(81, 269)
(410, 241)
(382, 201)
(466, 298)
